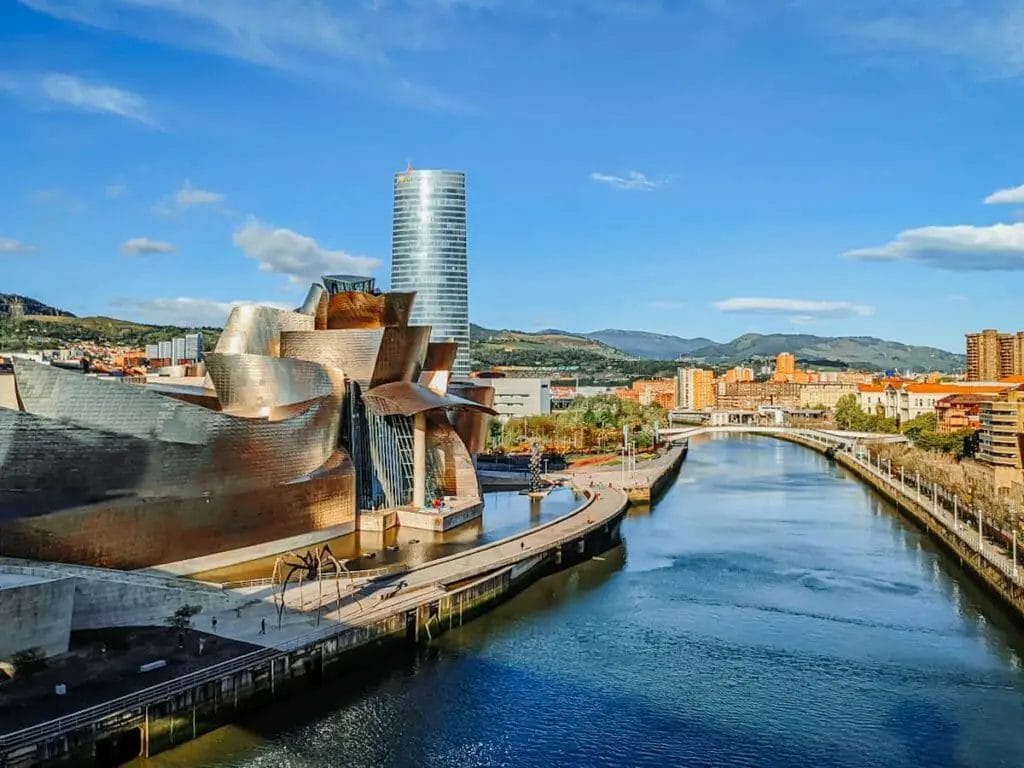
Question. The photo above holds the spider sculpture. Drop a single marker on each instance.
(313, 565)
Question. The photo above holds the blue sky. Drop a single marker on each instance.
(707, 168)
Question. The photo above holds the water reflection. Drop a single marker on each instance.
(505, 514)
(770, 610)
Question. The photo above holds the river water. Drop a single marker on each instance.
(770, 610)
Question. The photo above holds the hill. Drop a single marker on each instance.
(652, 346)
(556, 348)
(866, 352)
(46, 331)
(13, 304)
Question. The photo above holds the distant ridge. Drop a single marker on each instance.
(862, 352)
(29, 306)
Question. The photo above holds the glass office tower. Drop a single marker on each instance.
(428, 254)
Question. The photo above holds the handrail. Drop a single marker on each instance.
(366, 573)
(162, 691)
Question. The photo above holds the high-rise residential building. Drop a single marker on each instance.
(428, 254)
(983, 363)
(165, 350)
(696, 388)
(194, 346)
(992, 355)
(177, 350)
(738, 374)
(785, 364)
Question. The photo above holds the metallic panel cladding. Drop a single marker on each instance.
(472, 425)
(256, 381)
(256, 330)
(355, 309)
(369, 356)
(428, 254)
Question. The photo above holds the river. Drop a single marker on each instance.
(770, 610)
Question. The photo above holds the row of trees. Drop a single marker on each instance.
(591, 423)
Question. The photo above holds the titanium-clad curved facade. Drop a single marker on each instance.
(297, 427)
(428, 254)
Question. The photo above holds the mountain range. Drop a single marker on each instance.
(550, 347)
(862, 352)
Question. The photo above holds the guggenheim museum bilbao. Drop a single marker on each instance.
(306, 420)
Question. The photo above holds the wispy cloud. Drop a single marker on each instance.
(115, 190)
(633, 180)
(11, 247)
(353, 42)
(982, 36)
(963, 247)
(55, 197)
(188, 196)
(144, 246)
(800, 310)
(298, 256)
(666, 305)
(63, 90)
(184, 312)
(1008, 196)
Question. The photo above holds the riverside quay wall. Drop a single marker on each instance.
(961, 531)
(400, 611)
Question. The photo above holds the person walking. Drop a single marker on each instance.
(213, 623)
(263, 626)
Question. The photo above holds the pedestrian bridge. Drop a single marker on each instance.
(829, 436)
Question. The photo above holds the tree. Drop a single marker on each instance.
(182, 618)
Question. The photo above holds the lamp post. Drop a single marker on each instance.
(956, 512)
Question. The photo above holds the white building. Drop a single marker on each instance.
(521, 397)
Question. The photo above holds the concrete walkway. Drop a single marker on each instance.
(363, 603)
(646, 474)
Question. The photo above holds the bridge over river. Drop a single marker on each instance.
(834, 436)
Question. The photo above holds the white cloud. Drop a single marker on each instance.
(801, 310)
(71, 91)
(143, 246)
(633, 180)
(347, 41)
(115, 190)
(1010, 195)
(187, 197)
(184, 312)
(666, 304)
(300, 257)
(11, 247)
(962, 247)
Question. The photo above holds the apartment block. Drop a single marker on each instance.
(697, 388)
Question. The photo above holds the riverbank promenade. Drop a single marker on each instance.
(320, 624)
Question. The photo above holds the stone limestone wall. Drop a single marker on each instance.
(35, 613)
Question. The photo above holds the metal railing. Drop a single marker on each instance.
(162, 691)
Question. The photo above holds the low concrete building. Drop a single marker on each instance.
(35, 612)
(521, 397)
(871, 398)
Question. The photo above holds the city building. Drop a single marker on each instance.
(871, 398)
(661, 392)
(751, 395)
(824, 395)
(962, 411)
(697, 388)
(785, 367)
(520, 397)
(194, 346)
(993, 355)
(913, 399)
(313, 417)
(738, 374)
(428, 254)
(165, 350)
(1001, 435)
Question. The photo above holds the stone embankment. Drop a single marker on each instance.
(368, 618)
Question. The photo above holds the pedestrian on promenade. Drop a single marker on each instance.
(263, 626)
(213, 623)
(522, 545)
